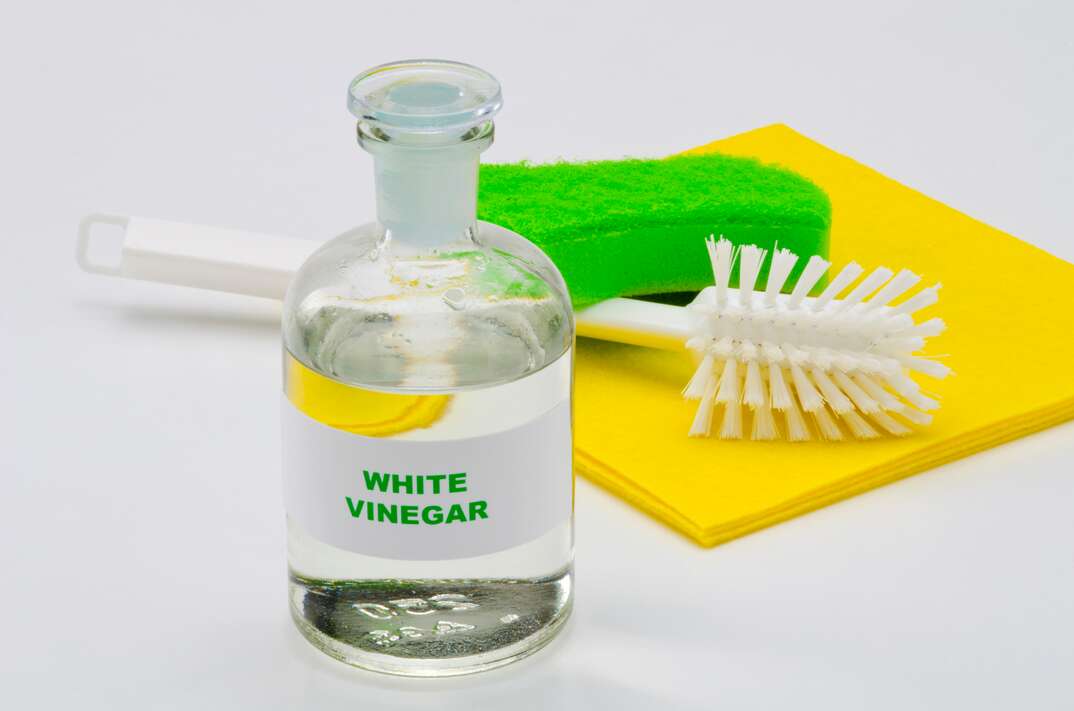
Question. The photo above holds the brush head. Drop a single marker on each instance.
(831, 367)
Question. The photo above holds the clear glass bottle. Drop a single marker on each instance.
(428, 375)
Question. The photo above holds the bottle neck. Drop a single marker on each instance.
(426, 194)
(426, 200)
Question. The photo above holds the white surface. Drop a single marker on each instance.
(143, 530)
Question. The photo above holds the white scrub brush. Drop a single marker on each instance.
(843, 362)
(827, 367)
(831, 368)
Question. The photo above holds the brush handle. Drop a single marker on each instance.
(639, 323)
(263, 265)
(195, 255)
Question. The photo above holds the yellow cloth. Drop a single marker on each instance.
(1010, 314)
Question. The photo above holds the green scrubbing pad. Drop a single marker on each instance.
(634, 227)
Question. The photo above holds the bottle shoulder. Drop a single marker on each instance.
(483, 310)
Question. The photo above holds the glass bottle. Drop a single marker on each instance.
(427, 404)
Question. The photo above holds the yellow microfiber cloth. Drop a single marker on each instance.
(1009, 309)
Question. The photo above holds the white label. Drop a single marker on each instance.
(427, 500)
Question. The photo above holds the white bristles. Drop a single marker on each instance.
(723, 348)
(903, 282)
(826, 424)
(773, 353)
(922, 402)
(731, 427)
(841, 281)
(764, 424)
(901, 346)
(812, 273)
(885, 399)
(861, 399)
(721, 255)
(858, 426)
(923, 298)
(702, 425)
(930, 328)
(890, 424)
(698, 384)
(909, 391)
(807, 393)
(710, 247)
(844, 361)
(867, 286)
(777, 385)
(926, 366)
(754, 395)
(915, 416)
(729, 390)
(750, 259)
(748, 351)
(832, 394)
(783, 261)
(797, 430)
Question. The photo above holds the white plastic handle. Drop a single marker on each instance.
(639, 323)
(263, 265)
(82, 249)
(196, 255)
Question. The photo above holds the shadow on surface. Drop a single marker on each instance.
(251, 319)
(553, 678)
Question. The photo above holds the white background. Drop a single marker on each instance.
(143, 539)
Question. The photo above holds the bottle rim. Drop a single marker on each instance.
(424, 96)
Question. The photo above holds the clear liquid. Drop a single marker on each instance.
(451, 359)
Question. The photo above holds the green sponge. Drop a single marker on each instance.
(634, 227)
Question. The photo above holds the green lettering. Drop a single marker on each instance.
(435, 479)
(457, 482)
(388, 513)
(375, 480)
(455, 514)
(478, 509)
(355, 507)
(409, 515)
(432, 515)
(400, 482)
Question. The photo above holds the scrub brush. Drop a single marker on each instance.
(840, 363)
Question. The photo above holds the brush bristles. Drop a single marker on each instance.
(826, 425)
(698, 384)
(702, 424)
(890, 424)
(764, 424)
(783, 261)
(830, 368)
(858, 426)
(781, 394)
(731, 428)
(797, 430)
(754, 395)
